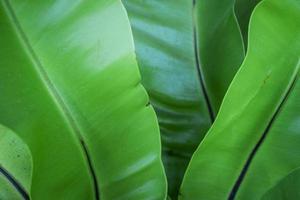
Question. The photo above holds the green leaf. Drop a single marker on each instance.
(15, 166)
(221, 48)
(70, 87)
(254, 141)
(184, 91)
(243, 10)
(286, 188)
(163, 33)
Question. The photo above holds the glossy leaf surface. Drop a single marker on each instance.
(163, 33)
(70, 87)
(15, 166)
(185, 99)
(254, 141)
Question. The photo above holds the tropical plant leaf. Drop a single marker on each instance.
(166, 37)
(70, 87)
(163, 33)
(243, 10)
(286, 188)
(15, 166)
(257, 127)
(221, 48)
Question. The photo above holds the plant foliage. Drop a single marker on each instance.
(78, 80)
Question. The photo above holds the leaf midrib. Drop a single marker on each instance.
(13, 181)
(251, 156)
(198, 66)
(59, 101)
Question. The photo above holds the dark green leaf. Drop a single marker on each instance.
(243, 10)
(286, 188)
(163, 32)
(221, 48)
(185, 92)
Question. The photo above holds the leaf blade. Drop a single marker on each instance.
(168, 36)
(245, 113)
(77, 79)
(15, 166)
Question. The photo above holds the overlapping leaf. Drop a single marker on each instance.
(286, 188)
(186, 92)
(221, 48)
(243, 10)
(15, 166)
(163, 33)
(254, 142)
